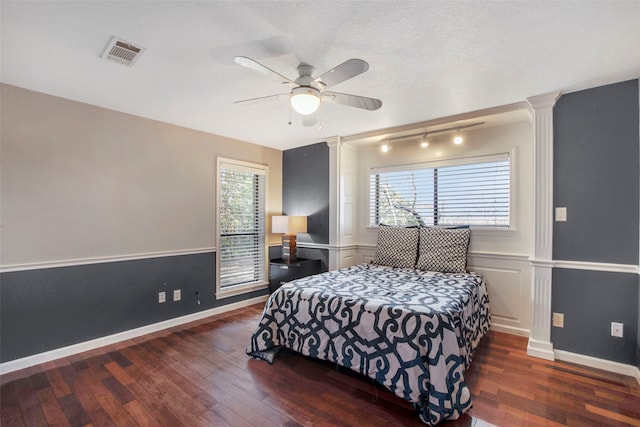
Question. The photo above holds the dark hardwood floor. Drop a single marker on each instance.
(199, 375)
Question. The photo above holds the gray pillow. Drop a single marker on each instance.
(397, 246)
(443, 249)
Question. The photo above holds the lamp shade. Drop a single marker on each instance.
(288, 224)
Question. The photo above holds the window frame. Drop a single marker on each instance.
(455, 161)
(229, 291)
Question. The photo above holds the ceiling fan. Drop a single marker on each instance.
(307, 91)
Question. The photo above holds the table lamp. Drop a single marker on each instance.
(289, 226)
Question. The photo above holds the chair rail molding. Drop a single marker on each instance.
(541, 109)
(103, 259)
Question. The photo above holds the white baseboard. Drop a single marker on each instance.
(593, 362)
(47, 356)
(541, 349)
(510, 330)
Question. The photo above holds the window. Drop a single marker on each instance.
(241, 227)
(467, 192)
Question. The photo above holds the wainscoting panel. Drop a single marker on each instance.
(508, 280)
(505, 297)
(365, 254)
(341, 257)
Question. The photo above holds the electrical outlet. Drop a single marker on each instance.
(162, 297)
(616, 329)
(177, 295)
(558, 320)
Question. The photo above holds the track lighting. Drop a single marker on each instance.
(424, 136)
(425, 141)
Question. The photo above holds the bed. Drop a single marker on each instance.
(413, 330)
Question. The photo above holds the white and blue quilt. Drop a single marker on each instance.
(415, 332)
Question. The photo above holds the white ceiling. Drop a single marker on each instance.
(428, 59)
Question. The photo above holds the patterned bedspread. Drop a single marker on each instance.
(415, 332)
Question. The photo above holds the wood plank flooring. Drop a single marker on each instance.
(199, 375)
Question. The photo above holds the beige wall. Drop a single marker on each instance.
(80, 182)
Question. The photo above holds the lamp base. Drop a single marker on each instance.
(289, 248)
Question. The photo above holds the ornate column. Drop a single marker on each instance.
(542, 253)
(342, 196)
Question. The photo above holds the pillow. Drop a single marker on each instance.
(397, 246)
(443, 249)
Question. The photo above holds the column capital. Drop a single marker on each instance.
(546, 100)
(334, 141)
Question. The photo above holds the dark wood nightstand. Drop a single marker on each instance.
(281, 272)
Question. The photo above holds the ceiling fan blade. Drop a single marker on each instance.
(342, 72)
(352, 100)
(263, 98)
(256, 66)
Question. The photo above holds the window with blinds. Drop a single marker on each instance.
(241, 226)
(472, 192)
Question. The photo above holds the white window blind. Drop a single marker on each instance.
(241, 216)
(473, 192)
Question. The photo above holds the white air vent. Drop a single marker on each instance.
(122, 52)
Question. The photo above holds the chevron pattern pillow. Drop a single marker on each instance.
(397, 246)
(443, 249)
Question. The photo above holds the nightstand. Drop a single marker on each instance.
(281, 272)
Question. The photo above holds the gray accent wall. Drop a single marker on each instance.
(597, 178)
(595, 174)
(590, 301)
(305, 191)
(49, 308)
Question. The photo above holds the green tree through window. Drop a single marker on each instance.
(241, 227)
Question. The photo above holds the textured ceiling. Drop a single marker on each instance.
(428, 59)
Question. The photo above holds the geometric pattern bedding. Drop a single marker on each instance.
(414, 332)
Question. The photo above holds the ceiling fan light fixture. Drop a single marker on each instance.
(305, 100)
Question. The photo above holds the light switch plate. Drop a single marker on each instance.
(177, 295)
(558, 320)
(561, 214)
